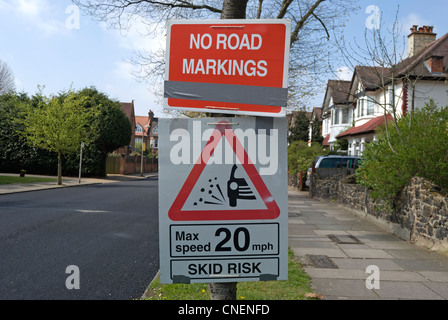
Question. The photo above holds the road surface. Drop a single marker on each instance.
(108, 231)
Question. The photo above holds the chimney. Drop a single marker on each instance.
(420, 38)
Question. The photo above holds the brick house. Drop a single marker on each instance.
(128, 108)
(147, 131)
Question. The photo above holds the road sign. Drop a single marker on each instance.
(210, 202)
(228, 66)
(222, 199)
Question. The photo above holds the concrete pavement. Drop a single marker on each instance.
(66, 182)
(336, 247)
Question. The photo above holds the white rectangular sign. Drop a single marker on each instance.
(223, 208)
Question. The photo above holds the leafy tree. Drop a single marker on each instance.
(112, 128)
(299, 130)
(15, 153)
(420, 147)
(316, 127)
(300, 155)
(57, 124)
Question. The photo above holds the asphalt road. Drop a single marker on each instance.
(109, 231)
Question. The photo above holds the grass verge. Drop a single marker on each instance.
(297, 287)
(12, 179)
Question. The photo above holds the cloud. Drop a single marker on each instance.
(411, 19)
(29, 7)
(344, 73)
(140, 35)
(39, 14)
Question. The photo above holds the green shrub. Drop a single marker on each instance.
(300, 155)
(419, 148)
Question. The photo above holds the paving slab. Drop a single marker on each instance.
(362, 264)
(322, 231)
(343, 288)
(406, 290)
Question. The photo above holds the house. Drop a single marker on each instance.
(147, 131)
(153, 132)
(128, 108)
(337, 112)
(141, 131)
(395, 91)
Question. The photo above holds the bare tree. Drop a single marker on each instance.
(312, 24)
(6, 79)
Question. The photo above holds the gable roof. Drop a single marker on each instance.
(339, 90)
(368, 127)
(128, 108)
(371, 78)
(415, 65)
(325, 142)
(316, 113)
(144, 123)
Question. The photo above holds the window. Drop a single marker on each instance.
(336, 116)
(156, 130)
(362, 106)
(138, 128)
(370, 106)
(346, 115)
(391, 98)
(154, 143)
(330, 163)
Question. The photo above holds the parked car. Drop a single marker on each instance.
(333, 162)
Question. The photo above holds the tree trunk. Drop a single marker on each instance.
(234, 9)
(59, 169)
(231, 9)
(223, 291)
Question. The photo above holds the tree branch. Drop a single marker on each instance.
(323, 25)
(301, 22)
(184, 4)
(284, 8)
(260, 7)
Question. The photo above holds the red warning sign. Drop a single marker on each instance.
(228, 66)
(238, 189)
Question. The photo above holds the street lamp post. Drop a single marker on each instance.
(80, 161)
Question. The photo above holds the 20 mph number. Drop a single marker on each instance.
(241, 239)
(224, 240)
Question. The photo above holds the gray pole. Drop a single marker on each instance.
(80, 162)
(231, 9)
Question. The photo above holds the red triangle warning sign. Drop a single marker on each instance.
(238, 189)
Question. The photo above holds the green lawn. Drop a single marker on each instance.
(297, 287)
(12, 179)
